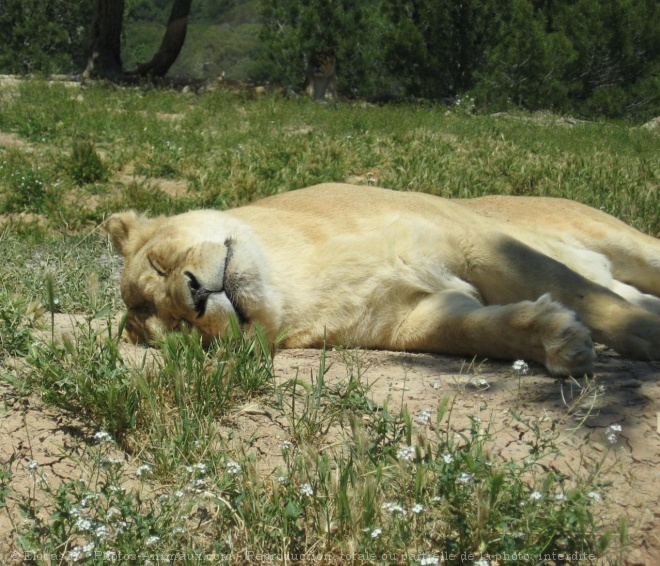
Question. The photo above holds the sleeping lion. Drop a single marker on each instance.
(501, 277)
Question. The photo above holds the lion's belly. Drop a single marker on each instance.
(364, 296)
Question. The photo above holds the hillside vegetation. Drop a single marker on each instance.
(587, 58)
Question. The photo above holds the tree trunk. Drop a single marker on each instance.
(104, 60)
(169, 50)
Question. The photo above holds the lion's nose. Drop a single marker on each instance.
(199, 293)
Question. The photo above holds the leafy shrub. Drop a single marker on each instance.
(85, 165)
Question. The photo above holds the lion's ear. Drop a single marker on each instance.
(123, 228)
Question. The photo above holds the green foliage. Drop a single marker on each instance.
(587, 57)
(85, 164)
(293, 30)
(28, 185)
(15, 326)
(43, 37)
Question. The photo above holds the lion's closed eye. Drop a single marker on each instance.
(157, 266)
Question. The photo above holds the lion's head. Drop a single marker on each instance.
(198, 269)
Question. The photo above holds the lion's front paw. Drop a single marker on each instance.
(569, 349)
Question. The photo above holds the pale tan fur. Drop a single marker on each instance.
(502, 277)
(322, 75)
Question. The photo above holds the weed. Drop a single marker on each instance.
(85, 165)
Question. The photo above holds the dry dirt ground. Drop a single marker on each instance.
(629, 396)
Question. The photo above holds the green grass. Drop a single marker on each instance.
(100, 149)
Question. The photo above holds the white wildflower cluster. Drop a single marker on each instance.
(286, 445)
(110, 462)
(376, 532)
(83, 524)
(482, 562)
(612, 433)
(198, 485)
(77, 553)
(307, 490)
(536, 496)
(465, 478)
(199, 469)
(448, 458)
(429, 561)
(594, 496)
(417, 508)
(481, 383)
(283, 480)
(102, 532)
(406, 453)
(520, 367)
(233, 468)
(152, 540)
(143, 470)
(103, 436)
(90, 497)
(32, 467)
(560, 497)
(394, 508)
(424, 416)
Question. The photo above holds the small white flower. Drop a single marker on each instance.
(481, 383)
(417, 509)
(102, 532)
(429, 561)
(233, 467)
(282, 479)
(424, 416)
(520, 367)
(145, 469)
(306, 489)
(286, 445)
(152, 540)
(200, 468)
(33, 465)
(109, 462)
(448, 458)
(536, 496)
(120, 527)
(612, 433)
(83, 524)
(465, 478)
(406, 453)
(103, 436)
(394, 508)
(482, 562)
(112, 513)
(85, 501)
(376, 532)
(75, 554)
(179, 494)
(560, 497)
(593, 496)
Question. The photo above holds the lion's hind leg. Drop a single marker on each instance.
(451, 322)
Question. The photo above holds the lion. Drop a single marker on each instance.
(504, 277)
(322, 75)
